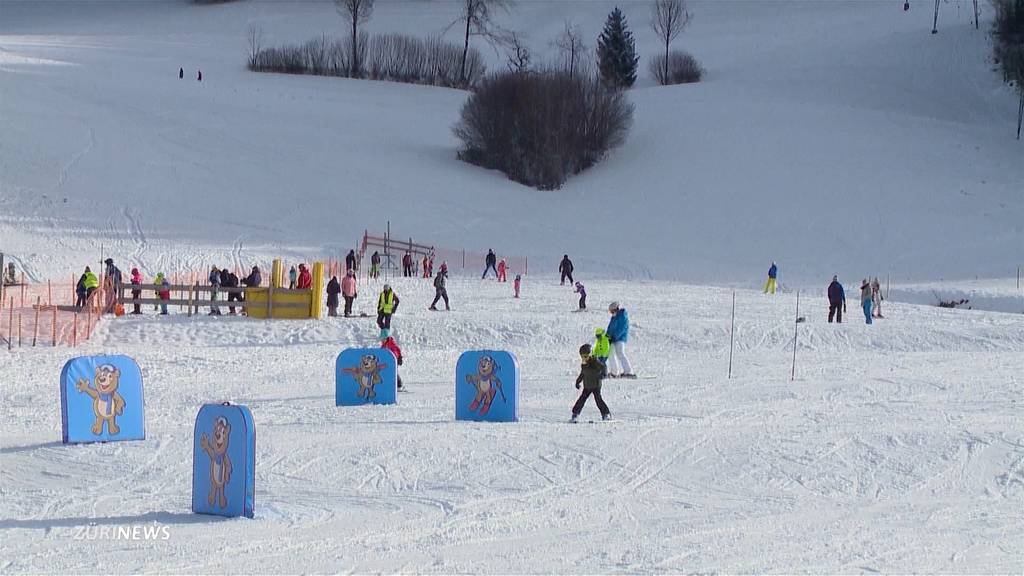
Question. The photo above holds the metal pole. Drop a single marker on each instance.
(35, 330)
(10, 324)
(387, 253)
(1020, 114)
(53, 327)
(976, 25)
(886, 286)
(732, 331)
(796, 333)
(935, 21)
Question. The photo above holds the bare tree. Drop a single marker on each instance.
(356, 12)
(570, 45)
(478, 17)
(668, 18)
(255, 35)
(518, 55)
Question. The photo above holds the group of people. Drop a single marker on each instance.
(870, 296)
(606, 358)
(222, 278)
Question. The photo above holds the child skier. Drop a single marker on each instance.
(773, 273)
(515, 285)
(583, 295)
(591, 373)
(136, 294)
(602, 346)
(164, 293)
(502, 271)
(388, 342)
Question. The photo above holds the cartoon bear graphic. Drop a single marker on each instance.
(487, 384)
(107, 403)
(367, 375)
(220, 464)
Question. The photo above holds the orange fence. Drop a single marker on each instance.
(392, 249)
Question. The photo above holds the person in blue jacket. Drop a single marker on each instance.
(773, 274)
(836, 300)
(618, 335)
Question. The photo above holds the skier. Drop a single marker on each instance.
(565, 268)
(136, 294)
(591, 373)
(91, 283)
(164, 293)
(876, 298)
(333, 289)
(515, 285)
(233, 294)
(773, 272)
(387, 304)
(375, 265)
(181, 73)
(113, 284)
(200, 77)
(348, 291)
(430, 265)
(80, 290)
(583, 295)
(388, 342)
(502, 271)
(489, 263)
(618, 335)
(602, 346)
(407, 265)
(440, 292)
(350, 260)
(214, 278)
(292, 277)
(836, 300)
(305, 278)
(444, 268)
(865, 299)
(425, 266)
(254, 279)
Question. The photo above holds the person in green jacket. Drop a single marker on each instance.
(602, 346)
(90, 282)
(591, 374)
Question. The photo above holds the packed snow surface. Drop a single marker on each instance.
(898, 448)
(832, 137)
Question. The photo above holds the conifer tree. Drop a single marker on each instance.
(616, 52)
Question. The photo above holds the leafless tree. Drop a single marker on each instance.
(518, 55)
(668, 18)
(356, 12)
(255, 35)
(478, 18)
(570, 45)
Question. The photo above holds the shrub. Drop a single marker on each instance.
(540, 128)
(393, 57)
(683, 68)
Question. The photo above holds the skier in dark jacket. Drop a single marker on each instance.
(440, 292)
(333, 289)
(407, 265)
(836, 300)
(591, 373)
(254, 279)
(214, 278)
(230, 281)
(375, 265)
(350, 260)
(490, 263)
(565, 269)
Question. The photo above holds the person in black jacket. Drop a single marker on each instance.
(333, 289)
(592, 371)
(836, 300)
(350, 260)
(565, 269)
(440, 292)
(229, 280)
(490, 263)
(254, 279)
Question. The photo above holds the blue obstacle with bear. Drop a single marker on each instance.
(224, 461)
(101, 400)
(365, 376)
(487, 386)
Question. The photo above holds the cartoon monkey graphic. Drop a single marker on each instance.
(107, 403)
(367, 375)
(220, 464)
(487, 384)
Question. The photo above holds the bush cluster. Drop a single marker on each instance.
(683, 68)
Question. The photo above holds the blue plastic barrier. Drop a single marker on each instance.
(224, 461)
(101, 400)
(487, 386)
(365, 376)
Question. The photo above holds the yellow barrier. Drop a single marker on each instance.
(278, 302)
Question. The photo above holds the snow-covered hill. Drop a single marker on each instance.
(833, 137)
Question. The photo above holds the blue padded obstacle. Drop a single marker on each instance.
(224, 461)
(101, 400)
(365, 376)
(487, 386)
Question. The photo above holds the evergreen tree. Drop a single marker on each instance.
(616, 52)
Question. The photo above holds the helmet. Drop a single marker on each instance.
(598, 331)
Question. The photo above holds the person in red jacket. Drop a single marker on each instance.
(502, 271)
(305, 281)
(389, 343)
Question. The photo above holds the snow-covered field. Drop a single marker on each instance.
(898, 448)
(834, 137)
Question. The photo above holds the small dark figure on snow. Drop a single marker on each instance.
(181, 73)
(375, 265)
(200, 76)
(350, 260)
(489, 263)
(836, 300)
(565, 269)
(591, 373)
(333, 289)
(583, 295)
(440, 292)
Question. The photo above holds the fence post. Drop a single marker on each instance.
(22, 289)
(53, 328)
(49, 293)
(19, 329)
(463, 258)
(732, 332)
(10, 324)
(35, 330)
(74, 332)
(796, 333)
